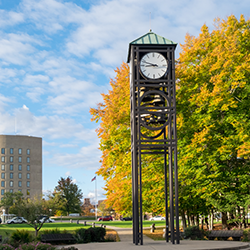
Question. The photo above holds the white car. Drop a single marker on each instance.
(46, 219)
(16, 220)
(158, 217)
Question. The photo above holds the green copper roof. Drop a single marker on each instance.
(152, 38)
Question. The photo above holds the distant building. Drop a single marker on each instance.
(21, 164)
(87, 207)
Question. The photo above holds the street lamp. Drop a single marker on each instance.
(3, 215)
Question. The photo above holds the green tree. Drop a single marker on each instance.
(69, 196)
(9, 199)
(213, 116)
(31, 210)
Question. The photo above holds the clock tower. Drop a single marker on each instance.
(153, 124)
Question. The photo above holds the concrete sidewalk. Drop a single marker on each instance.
(126, 243)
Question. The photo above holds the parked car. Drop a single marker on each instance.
(127, 218)
(105, 218)
(16, 220)
(158, 217)
(46, 219)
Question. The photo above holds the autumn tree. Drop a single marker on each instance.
(68, 196)
(213, 117)
(114, 133)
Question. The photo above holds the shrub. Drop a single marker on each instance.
(29, 246)
(37, 246)
(19, 237)
(194, 233)
(6, 247)
(92, 234)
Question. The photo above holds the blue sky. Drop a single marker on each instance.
(57, 56)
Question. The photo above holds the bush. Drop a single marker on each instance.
(194, 233)
(92, 234)
(6, 247)
(29, 246)
(19, 237)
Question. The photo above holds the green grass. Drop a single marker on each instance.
(7, 229)
(128, 224)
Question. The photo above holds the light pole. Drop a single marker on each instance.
(3, 215)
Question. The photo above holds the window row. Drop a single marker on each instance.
(11, 167)
(12, 151)
(3, 159)
(11, 191)
(11, 184)
(12, 175)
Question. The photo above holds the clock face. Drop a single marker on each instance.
(153, 65)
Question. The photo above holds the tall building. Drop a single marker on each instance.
(21, 165)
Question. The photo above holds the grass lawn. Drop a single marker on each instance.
(7, 229)
(128, 224)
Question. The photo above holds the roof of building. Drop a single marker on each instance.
(150, 38)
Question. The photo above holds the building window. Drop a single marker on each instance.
(20, 159)
(20, 190)
(28, 192)
(11, 158)
(11, 190)
(11, 175)
(2, 183)
(3, 175)
(11, 151)
(20, 151)
(20, 167)
(19, 175)
(3, 159)
(3, 167)
(11, 183)
(28, 159)
(3, 151)
(2, 191)
(28, 151)
(28, 176)
(19, 183)
(28, 167)
(11, 167)
(28, 183)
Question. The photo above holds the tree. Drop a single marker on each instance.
(69, 196)
(114, 133)
(9, 199)
(213, 116)
(31, 210)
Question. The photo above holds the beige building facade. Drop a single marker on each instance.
(21, 165)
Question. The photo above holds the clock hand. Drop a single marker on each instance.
(151, 64)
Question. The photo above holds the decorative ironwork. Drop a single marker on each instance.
(153, 131)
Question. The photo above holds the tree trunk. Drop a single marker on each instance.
(192, 220)
(188, 217)
(183, 218)
(211, 221)
(197, 220)
(206, 222)
(224, 220)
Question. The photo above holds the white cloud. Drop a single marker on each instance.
(10, 18)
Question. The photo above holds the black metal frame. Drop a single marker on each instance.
(160, 120)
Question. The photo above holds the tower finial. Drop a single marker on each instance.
(150, 22)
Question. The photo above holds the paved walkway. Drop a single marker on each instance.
(126, 240)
